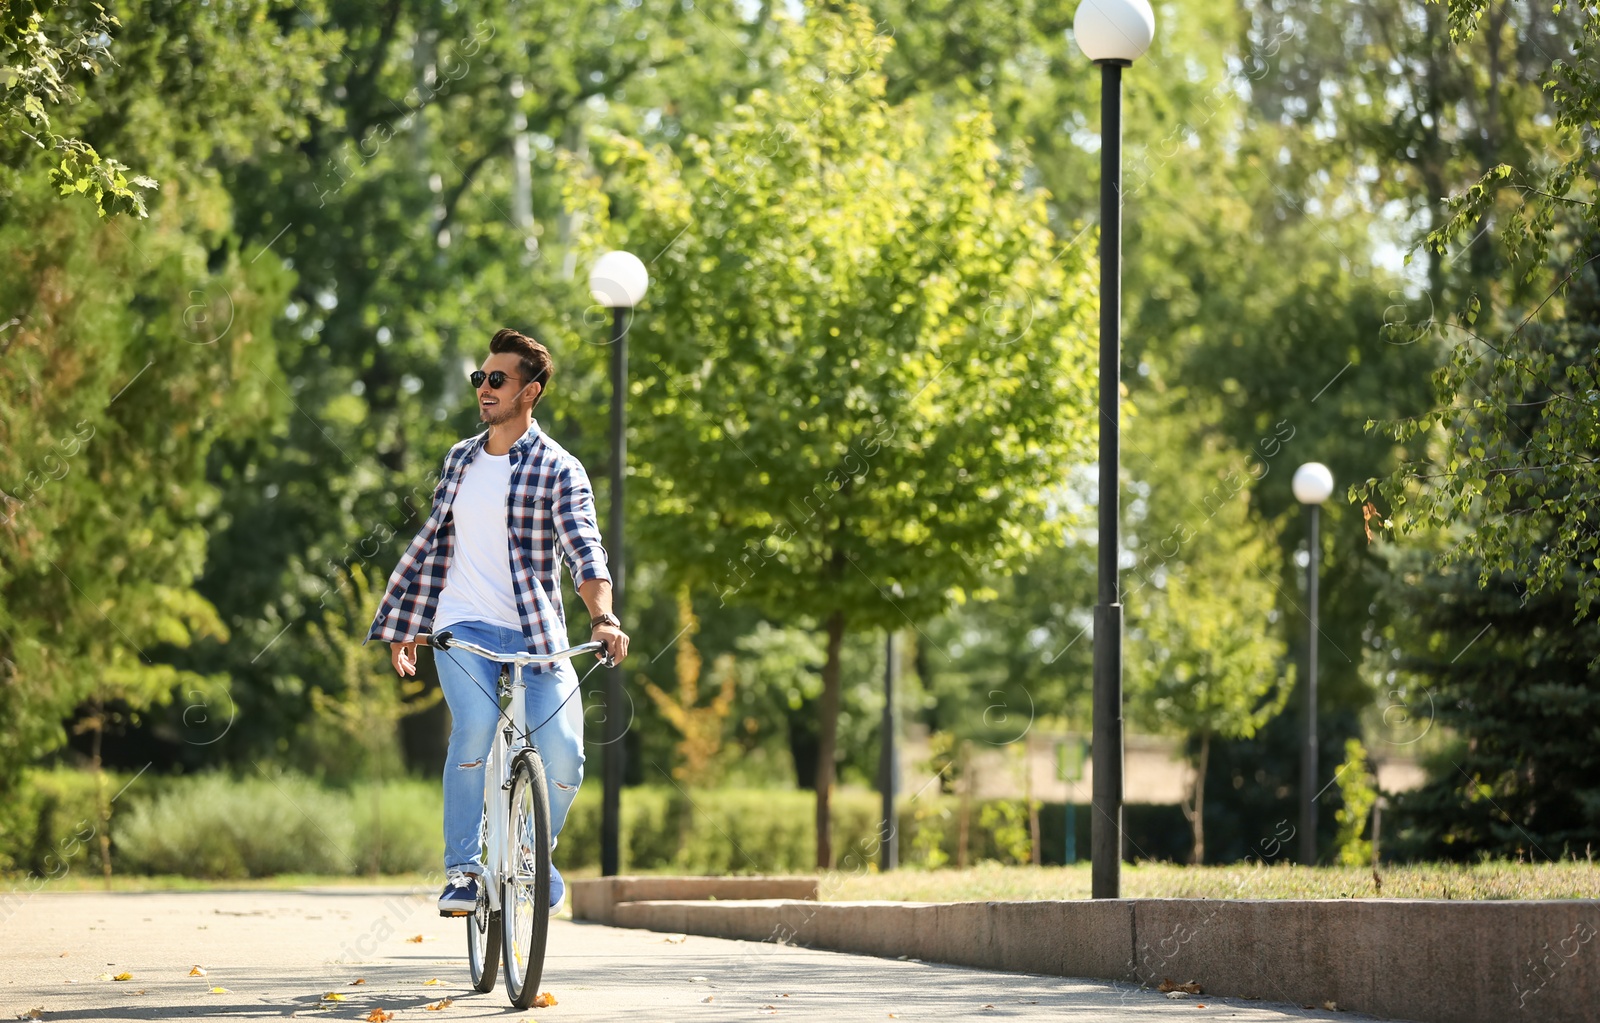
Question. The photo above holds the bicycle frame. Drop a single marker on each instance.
(510, 739)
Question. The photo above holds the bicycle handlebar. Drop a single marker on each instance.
(445, 640)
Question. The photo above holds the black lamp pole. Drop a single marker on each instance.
(615, 762)
(889, 854)
(1308, 762)
(1105, 834)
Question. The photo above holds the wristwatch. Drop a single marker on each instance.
(606, 619)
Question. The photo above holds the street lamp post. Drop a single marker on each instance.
(1313, 484)
(888, 760)
(618, 282)
(1113, 34)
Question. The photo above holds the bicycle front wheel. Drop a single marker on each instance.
(525, 895)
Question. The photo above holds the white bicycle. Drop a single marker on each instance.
(512, 919)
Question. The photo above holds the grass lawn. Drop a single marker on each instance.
(991, 881)
(1493, 880)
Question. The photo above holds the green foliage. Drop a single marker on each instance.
(43, 44)
(49, 827)
(701, 757)
(1006, 820)
(360, 704)
(859, 371)
(1358, 790)
(1206, 660)
(1511, 441)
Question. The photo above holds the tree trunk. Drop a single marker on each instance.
(1197, 819)
(827, 739)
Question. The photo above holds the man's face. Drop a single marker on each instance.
(499, 404)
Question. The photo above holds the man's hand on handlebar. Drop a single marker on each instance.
(615, 639)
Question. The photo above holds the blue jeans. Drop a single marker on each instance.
(474, 715)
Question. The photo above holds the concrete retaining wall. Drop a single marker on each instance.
(1436, 962)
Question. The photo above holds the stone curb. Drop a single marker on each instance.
(593, 898)
(1431, 961)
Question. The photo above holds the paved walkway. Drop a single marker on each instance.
(275, 955)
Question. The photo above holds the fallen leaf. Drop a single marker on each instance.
(379, 1016)
(358, 980)
(197, 971)
(433, 982)
(1174, 994)
(415, 939)
(63, 955)
(1168, 987)
(675, 939)
(1199, 1005)
(221, 991)
(32, 1014)
(988, 1006)
(546, 1000)
(697, 980)
(443, 1003)
(124, 975)
(1331, 1006)
(333, 996)
(708, 998)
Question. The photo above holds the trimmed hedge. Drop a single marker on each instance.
(217, 826)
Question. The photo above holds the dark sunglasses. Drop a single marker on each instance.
(497, 379)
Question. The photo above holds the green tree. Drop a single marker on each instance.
(865, 424)
(127, 353)
(1205, 658)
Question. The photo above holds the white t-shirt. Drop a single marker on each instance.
(477, 585)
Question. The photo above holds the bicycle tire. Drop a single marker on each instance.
(525, 891)
(483, 926)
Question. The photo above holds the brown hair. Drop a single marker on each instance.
(537, 366)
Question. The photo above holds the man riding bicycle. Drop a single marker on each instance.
(485, 566)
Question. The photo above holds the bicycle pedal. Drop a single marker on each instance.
(453, 912)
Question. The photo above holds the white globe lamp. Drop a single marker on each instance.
(1313, 483)
(1119, 31)
(618, 280)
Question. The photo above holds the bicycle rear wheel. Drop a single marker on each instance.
(525, 895)
(483, 927)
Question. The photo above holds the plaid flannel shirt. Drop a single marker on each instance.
(550, 505)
